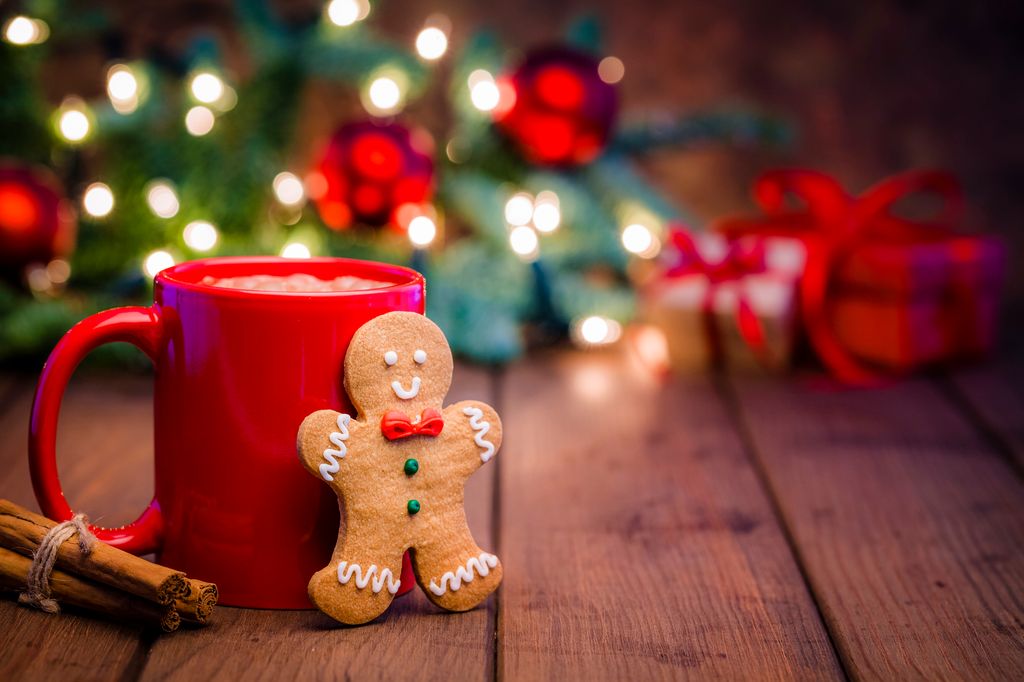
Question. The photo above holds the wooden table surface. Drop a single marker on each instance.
(711, 527)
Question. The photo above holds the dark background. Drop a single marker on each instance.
(873, 87)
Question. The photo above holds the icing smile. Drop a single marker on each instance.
(414, 389)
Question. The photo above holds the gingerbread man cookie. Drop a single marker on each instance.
(399, 467)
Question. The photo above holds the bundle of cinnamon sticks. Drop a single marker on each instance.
(106, 580)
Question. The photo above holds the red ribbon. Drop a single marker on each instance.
(741, 259)
(832, 225)
(396, 425)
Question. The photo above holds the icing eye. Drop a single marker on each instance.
(420, 357)
(390, 358)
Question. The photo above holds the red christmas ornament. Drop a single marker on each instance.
(556, 109)
(37, 224)
(369, 169)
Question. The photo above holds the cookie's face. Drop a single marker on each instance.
(398, 361)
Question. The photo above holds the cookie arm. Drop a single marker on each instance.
(478, 426)
(323, 441)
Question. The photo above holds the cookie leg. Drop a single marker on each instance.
(454, 572)
(359, 583)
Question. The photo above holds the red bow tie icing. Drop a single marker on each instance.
(396, 425)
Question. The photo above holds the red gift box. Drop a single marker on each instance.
(881, 293)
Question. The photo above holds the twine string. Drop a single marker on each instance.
(37, 591)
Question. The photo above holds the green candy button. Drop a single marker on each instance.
(411, 467)
(413, 506)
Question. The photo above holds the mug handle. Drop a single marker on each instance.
(136, 325)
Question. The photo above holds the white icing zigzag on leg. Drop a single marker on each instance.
(338, 438)
(347, 570)
(464, 574)
(475, 414)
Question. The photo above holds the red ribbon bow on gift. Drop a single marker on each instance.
(831, 225)
(396, 425)
(742, 258)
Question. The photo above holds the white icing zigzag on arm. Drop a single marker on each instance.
(338, 438)
(475, 414)
(464, 574)
(347, 570)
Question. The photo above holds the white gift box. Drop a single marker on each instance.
(700, 318)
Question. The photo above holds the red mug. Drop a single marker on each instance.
(236, 372)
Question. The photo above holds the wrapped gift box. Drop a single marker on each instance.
(903, 306)
(699, 310)
(883, 294)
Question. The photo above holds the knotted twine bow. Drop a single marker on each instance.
(37, 593)
(741, 259)
(832, 225)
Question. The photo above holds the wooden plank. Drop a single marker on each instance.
(995, 395)
(8, 382)
(104, 448)
(413, 638)
(636, 539)
(105, 460)
(910, 528)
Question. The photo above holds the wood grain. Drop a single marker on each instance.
(995, 393)
(910, 529)
(636, 540)
(105, 462)
(413, 638)
(104, 447)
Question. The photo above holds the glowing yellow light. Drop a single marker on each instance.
(479, 76)
(547, 215)
(342, 12)
(347, 12)
(74, 125)
(638, 239)
(288, 189)
(21, 30)
(295, 250)
(73, 122)
(122, 89)
(524, 242)
(98, 200)
(121, 83)
(162, 199)
(199, 121)
(519, 209)
(207, 87)
(200, 235)
(611, 70)
(383, 96)
(58, 270)
(227, 100)
(483, 91)
(422, 231)
(157, 261)
(431, 43)
(37, 279)
(596, 330)
(651, 347)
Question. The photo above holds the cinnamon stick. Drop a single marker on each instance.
(22, 531)
(73, 590)
(197, 607)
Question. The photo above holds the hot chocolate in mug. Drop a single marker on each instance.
(237, 370)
